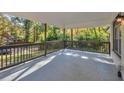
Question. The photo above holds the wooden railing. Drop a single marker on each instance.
(16, 54)
(100, 47)
(53, 46)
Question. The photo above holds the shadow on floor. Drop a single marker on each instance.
(65, 65)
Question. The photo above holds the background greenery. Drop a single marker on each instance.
(15, 30)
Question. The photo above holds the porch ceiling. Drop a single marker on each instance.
(69, 19)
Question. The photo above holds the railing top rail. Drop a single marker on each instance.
(19, 45)
(55, 41)
(31, 44)
(90, 41)
(28, 44)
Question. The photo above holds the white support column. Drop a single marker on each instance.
(111, 39)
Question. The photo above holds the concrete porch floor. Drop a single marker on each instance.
(64, 65)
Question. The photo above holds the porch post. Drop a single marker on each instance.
(45, 43)
(64, 38)
(111, 40)
(72, 37)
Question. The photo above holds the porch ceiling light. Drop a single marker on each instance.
(120, 19)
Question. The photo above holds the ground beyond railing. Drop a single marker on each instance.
(16, 54)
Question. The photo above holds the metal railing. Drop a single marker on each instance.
(53, 46)
(16, 54)
(92, 46)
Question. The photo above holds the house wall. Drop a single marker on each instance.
(116, 59)
(122, 50)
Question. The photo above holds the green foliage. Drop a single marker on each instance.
(92, 34)
(18, 30)
(54, 33)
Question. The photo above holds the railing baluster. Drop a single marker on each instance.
(29, 52)
(21, 58)
(23, 52)
(10, 56)
(0, 61)
(17, 54)
(1, 58)
(26, 52)
(33, 51)
(14, 55)
(6, 57)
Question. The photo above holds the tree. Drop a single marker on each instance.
(92, 34)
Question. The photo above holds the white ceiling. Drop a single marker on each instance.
(69, 19)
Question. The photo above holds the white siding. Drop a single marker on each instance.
(115, 57)
(122, 50)
(117, 60)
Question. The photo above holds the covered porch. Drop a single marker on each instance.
(61, 60)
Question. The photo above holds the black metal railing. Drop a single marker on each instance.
(16, 54)
(53, 46)
(100, 47)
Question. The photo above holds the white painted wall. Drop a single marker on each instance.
(115, 57)
(117, 60)
(122, 50)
